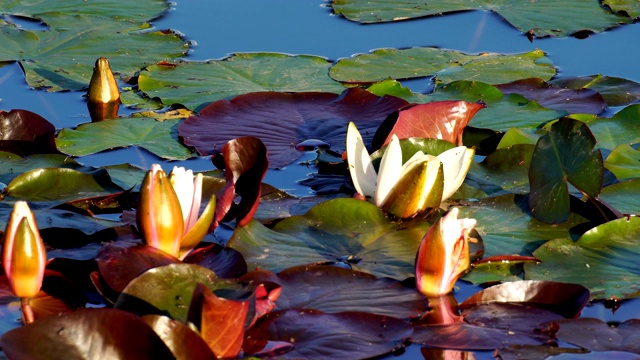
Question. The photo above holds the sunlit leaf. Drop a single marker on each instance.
(624, 162)
(160, 138)
(623, 196)
(601, 260)
(194, 84)
(622, 128)
(282, 120)
(446, 65)
(544, 18)
(182, 340)
(564, 155)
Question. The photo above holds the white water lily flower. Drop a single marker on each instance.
(405, 190)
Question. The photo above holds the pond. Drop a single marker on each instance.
(222, 28)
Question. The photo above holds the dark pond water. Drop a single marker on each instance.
(222, 27)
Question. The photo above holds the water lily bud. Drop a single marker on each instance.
(23, 253)
(159, 214)
(103, 87)
(419, 189)
(443, 255)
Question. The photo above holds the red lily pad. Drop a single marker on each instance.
(282, 120)
(333, 289)
(118, 265)
(24, 133)
(436, 120)
(246, 163)
(579, 101)
(562, 298)
(344, 335)
(85, 334)
(596, 335)
(181, 339)
(225, 262)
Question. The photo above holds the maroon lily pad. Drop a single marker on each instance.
(436, 120)
(345, 335)
(562, 298)
(282, 120)
(221, 321)
(118, 265)
(580, 101)
(224, 261)
(181, 339)
(246, 163)
(85, 334)
(25, 133)
(596, 335)
(334, 289)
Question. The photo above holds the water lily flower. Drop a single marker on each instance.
(167, 213)
(103, 87)
(23, 253)
(443, 255)
(405, 190)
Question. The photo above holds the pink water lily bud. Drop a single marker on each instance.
(443, 255)
(167, 213)
(23, 253)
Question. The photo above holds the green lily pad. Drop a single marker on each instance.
(623, 196)
(622, 128)
(542, 17)
(508, 229)
(630, 7)
(615, 91)
(564, 155)
(624, 162)
(63, 58)
(345, 230)
(602, 260)
(13, 165)
(59, 185)
(516, 136)
(446, 65)
(502, 112)
(503, 170)
(194, 84)
(160, 138)
(167, 290)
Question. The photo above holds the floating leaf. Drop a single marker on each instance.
(597, 335)
(346, 335)
(349, 231)
(543, 18)
(23, 132)
(565, 154)
(245, 163)
(446, 65)
(622, 128)
(623, 196)
(160, 138)
(225, 262)
(504, 170)
(580, 101)
(624, 162)
(602, 260)
(13, 165)
(194, 84)
(615, 91)
(180, 338)
(282, 120)
(85, 334)
(333, 289)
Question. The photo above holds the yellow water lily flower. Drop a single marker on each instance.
(23, 254)
(167, 213)
(103, 87)
(405, 190)
(443, 255)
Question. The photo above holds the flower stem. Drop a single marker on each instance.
(27, 311)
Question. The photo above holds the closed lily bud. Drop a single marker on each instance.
(443, 255)
(159, 215)
(103, 87)
(23, 253)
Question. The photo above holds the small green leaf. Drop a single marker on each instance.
(624, 162)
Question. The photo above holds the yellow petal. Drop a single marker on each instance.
(103, 87)
(419, 189)
(199, 230)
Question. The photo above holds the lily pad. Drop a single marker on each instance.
(194, 84)
(565, 154)
(349, 231)
(504, 170)
(601, 260)
(346, 335)
(596, 335)
(160, 138)
(333, 289)
(23, 132)
(282, 120)
(70, 334)
(543, 18)
(13, 165)
(180, 338)
(623, 196)
(615, 91)
(622, 128)
(446, 65)
(624, 162)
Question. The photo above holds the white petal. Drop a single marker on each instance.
(455, 164)
(390, 170)
(192, 216)
(182, 181)
(361, 169)
(416, 159)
